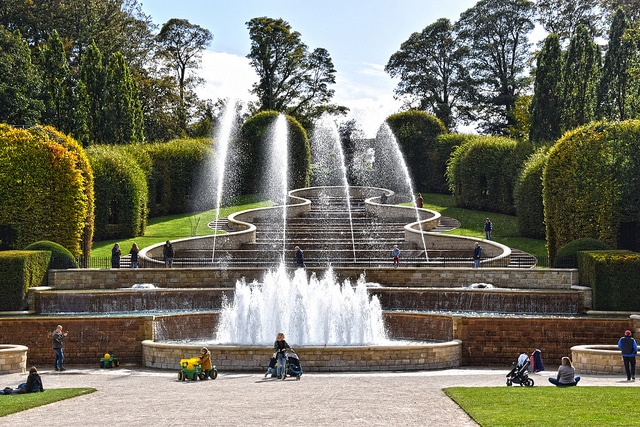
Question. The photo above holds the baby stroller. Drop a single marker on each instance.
(292, 366)
(520, 372)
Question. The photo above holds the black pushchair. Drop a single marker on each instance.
(293, 368)
(520, 373)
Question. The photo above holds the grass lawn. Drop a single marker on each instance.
(180, 226)
(505, 227)
(549, 406)
(173, 227)
(13, 403)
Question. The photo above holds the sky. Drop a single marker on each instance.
(359, 35)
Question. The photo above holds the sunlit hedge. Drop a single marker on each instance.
(46, 188)
(592, 186)
(482, 172)
(528, 196)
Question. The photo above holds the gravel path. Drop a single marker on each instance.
(128, 396)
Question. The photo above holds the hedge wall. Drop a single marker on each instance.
(253, 149)
(19, 271)
(417, 133)
(46, 188)
(528, 196)
(614, 277)
(482, 172)
(121, 193)
(592, 186)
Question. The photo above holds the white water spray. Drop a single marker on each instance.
(309, 311)
(223, 136)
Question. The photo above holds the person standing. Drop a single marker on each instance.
(299, 257)
(419, 201)
(134, 255)
(168, 253)
(566, 374)
(477, 254)
(57, 337)
(488, 227)
(395, 253)
(115, 256)
(629, 348)
(280, 348)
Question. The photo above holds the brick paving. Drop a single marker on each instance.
(130, 396)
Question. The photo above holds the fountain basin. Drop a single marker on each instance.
(13, 359)
(597, 359)
(314, 358)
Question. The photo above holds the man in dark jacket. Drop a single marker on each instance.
(629, 348)
(168, 253)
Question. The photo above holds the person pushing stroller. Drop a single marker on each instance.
(280, 348)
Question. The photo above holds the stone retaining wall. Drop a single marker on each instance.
(597, 359)
(13, 359)
(428, 277)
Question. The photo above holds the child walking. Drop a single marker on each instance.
(280, 348)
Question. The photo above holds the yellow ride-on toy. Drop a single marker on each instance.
(109, 361)
(190, 369)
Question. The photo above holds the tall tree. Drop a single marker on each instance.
(562, 17)
(55, 77)
(496, 33)
(123, 112)
(291, 80)
(92, 76)
(19, 81)
(431, 68)
(612, 89)
(631, 8)
(580, 77)
(182, 44)
(547, 89)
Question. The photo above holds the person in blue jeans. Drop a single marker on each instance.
(488, 227)
(280, 348)
(629, 348)
(57, 337)
(477, 254)
(566, 374)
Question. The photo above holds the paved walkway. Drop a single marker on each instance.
(127, 396)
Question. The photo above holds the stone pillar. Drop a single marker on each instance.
(13, 359)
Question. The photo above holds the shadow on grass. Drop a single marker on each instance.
(12, 403)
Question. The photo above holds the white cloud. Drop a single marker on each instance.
(226, 76)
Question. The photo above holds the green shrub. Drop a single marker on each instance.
(567, 255)
(417, 133)
(482, 172)
(174, 167)
(121, 193)
(614, 278)
(46, 188)
(591, 186)
(61, 258)
(528, 196)
(253, 150)
(19, 271)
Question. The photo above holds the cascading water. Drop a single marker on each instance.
(278, 165)
(310, 311)
(223, 135)
(389, 140)
(326, 151)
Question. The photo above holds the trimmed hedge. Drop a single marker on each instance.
(614, 278)
(567, 256)
(46, 188)
(121, 193)
(253, 151)
(528, 196)
(417, 133)
(591, 186)
(61, 258)
(19, 271)
(482, 172)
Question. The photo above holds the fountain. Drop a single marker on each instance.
(433, 306)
